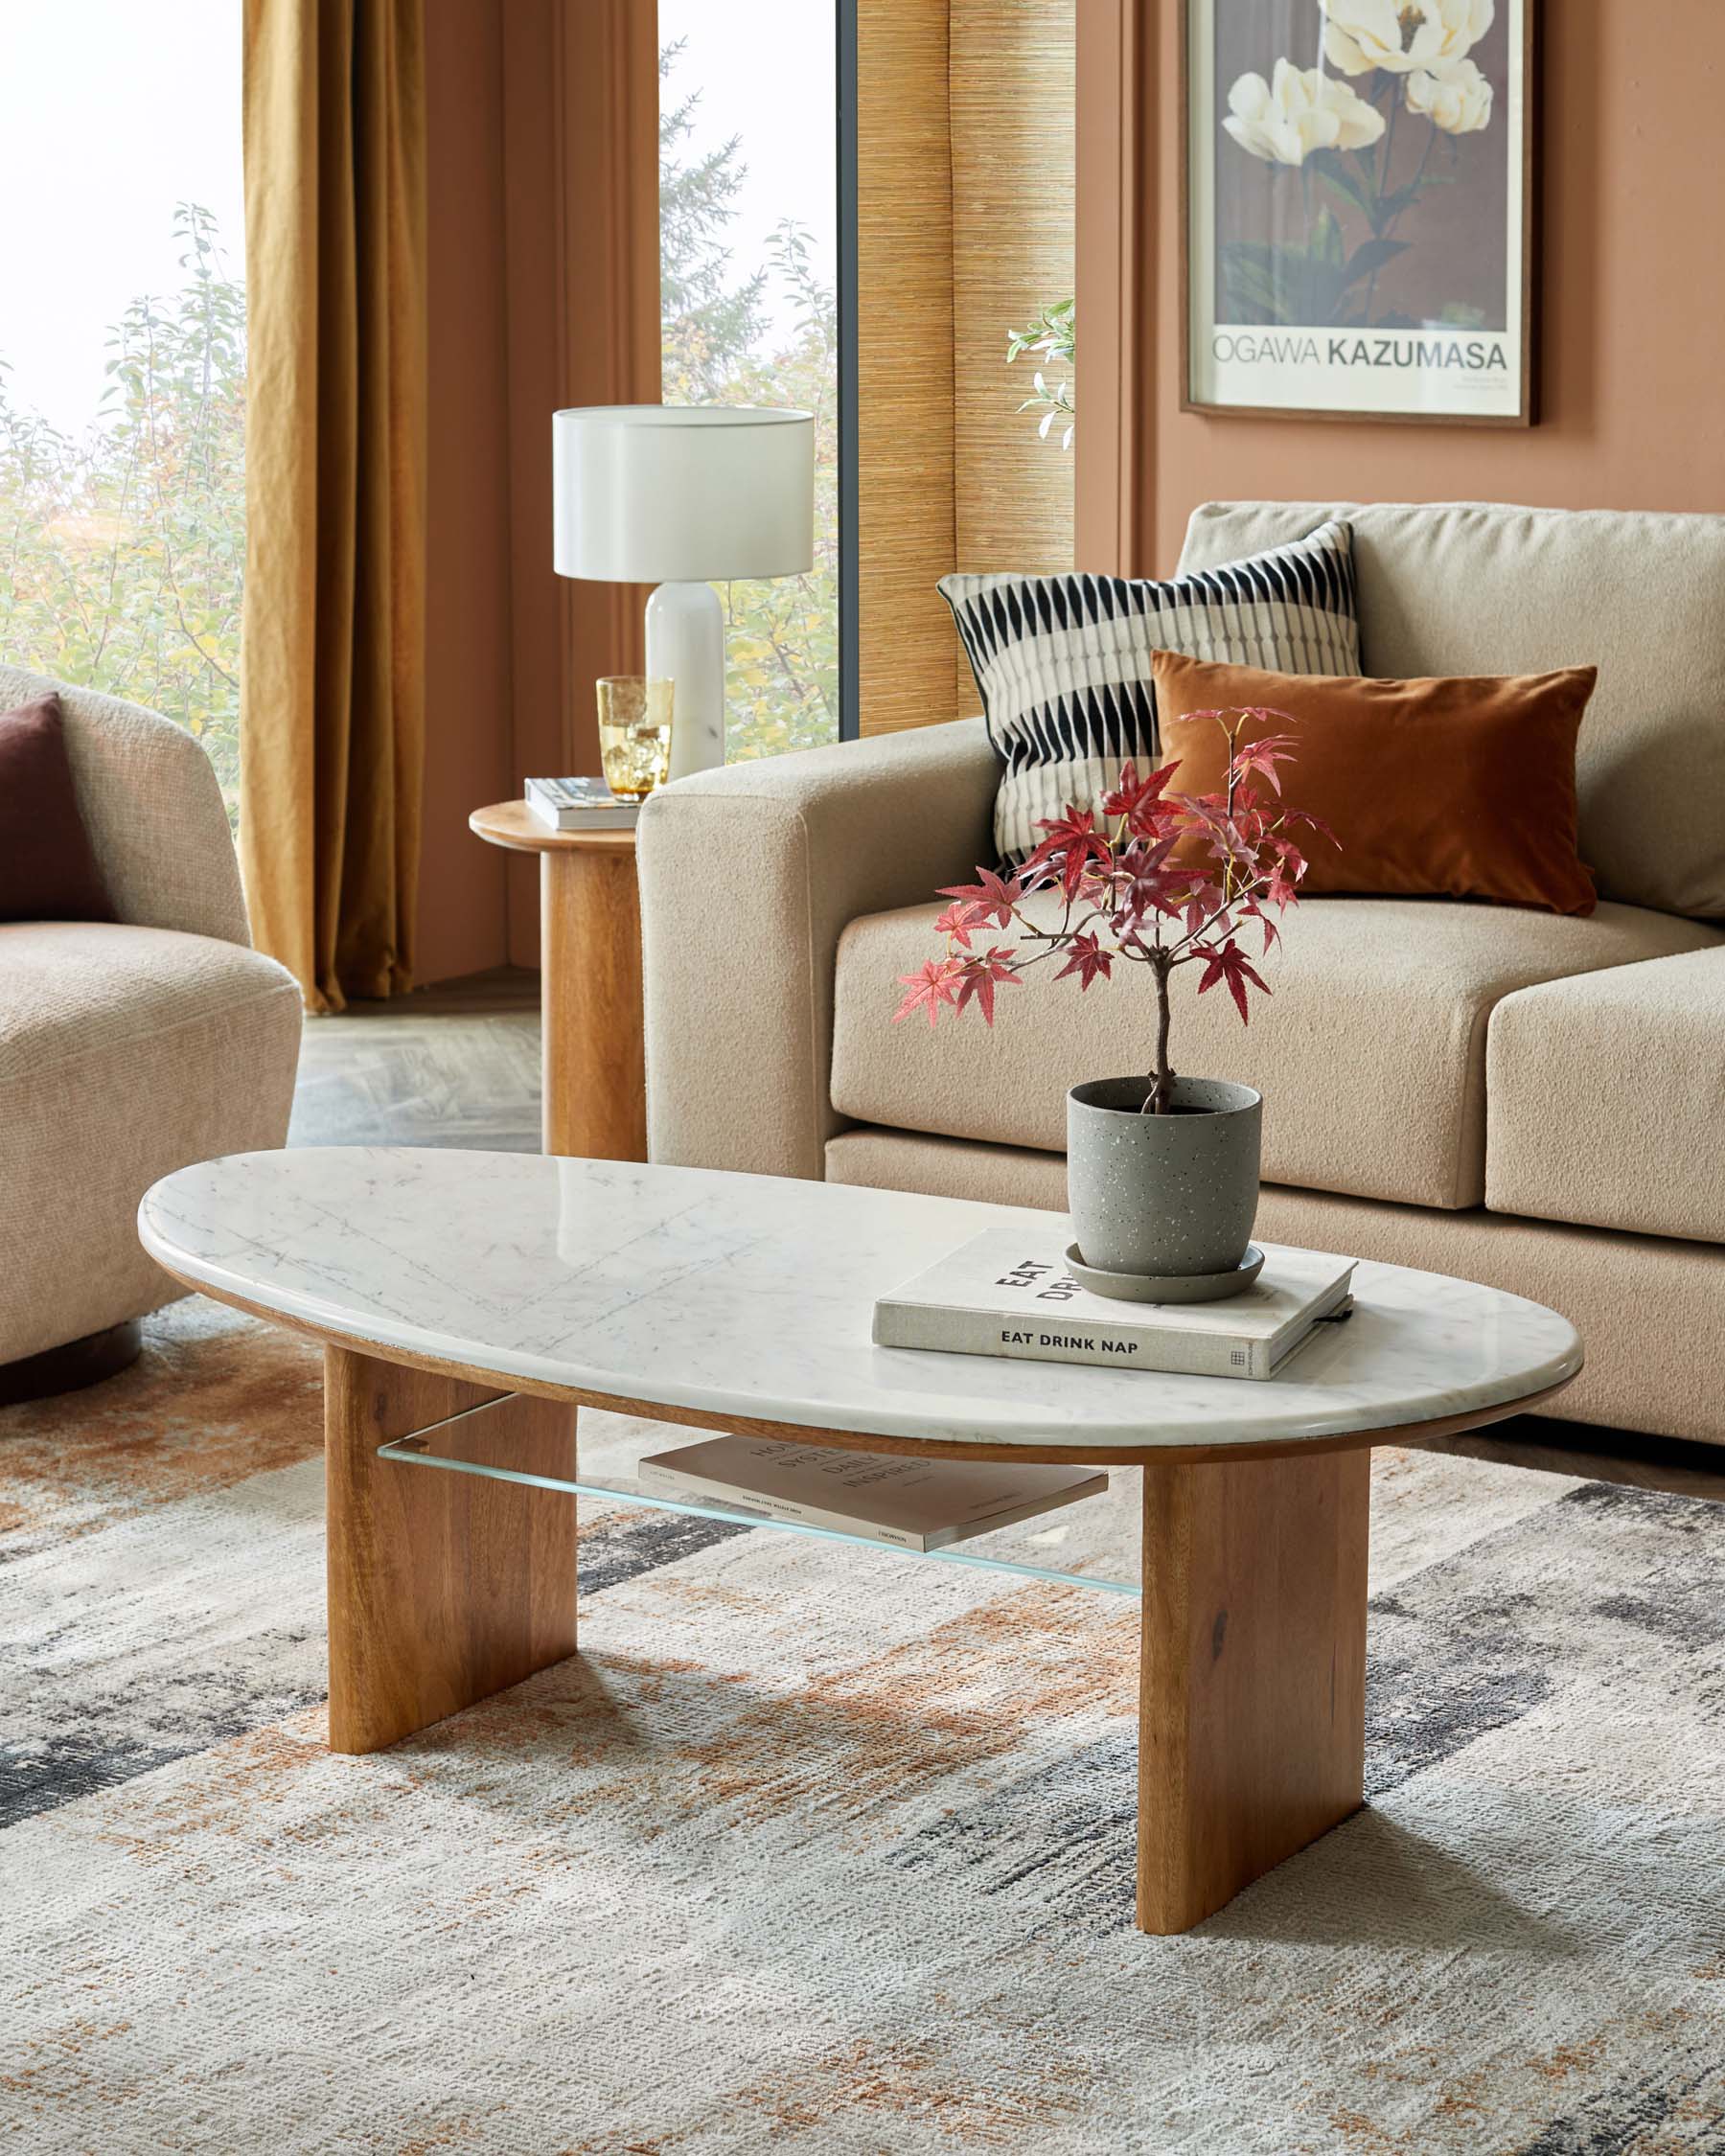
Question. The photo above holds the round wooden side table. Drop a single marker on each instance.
(596, 1080)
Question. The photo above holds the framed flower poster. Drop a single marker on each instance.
(1357, 230)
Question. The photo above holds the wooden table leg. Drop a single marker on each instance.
(1252, 1713)
(442, 1588)
(595, 1078)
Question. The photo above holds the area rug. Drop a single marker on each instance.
(815, 1849)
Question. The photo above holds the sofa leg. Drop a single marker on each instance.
(69, 1369)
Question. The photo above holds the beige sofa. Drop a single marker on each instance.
(126, 1048)
(1519, 1098)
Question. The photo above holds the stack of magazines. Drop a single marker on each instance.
(579, 804)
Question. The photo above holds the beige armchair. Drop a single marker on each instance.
(126, 1048)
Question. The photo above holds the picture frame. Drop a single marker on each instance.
(1359, 227)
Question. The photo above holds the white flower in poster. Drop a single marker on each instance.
(1401, 35)
(1454, 96)
(1300, 110)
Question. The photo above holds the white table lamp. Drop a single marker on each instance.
(684, 496)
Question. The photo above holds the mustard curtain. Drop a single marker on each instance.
(332, 737)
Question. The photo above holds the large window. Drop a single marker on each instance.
(748, 229)
(123, 357)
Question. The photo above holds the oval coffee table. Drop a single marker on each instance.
(443, 1283)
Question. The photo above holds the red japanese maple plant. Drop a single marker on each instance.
(1152, 878)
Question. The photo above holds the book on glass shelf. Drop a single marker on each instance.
(579, 804)
(920, 1504)
(1008, 1295)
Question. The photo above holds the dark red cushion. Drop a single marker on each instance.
(48, 871)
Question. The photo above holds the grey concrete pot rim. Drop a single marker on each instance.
(1125, 1096)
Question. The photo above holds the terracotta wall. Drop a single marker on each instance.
(544, 292)
(1633, 414)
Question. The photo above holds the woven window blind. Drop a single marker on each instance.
(965, 217)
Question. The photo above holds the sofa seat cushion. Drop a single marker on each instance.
(1607, 1099)
(125, 1053)
(1370, 1051)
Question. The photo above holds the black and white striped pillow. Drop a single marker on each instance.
(1063, 663)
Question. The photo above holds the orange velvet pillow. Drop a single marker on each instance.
(1446, 789)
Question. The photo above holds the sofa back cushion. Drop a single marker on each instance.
(1458, 786)
(1063, 662)
(1474, 588)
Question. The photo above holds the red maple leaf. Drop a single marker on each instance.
(1073, 841)
(1204, 907)
(958, 920)
(1139, 800)
(1255, 912)
(1146, 886)
(1086, 958)
(1218, 831)
(1232, 965)
(1265, 754)
(937, 983)
(993, 896)
(1315, 824)
(979, 973)
(1249, 818)
(1284, 873)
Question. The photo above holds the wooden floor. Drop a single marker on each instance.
(454, 1065)
(459, 1064)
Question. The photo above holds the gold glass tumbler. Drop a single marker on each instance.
(634, 734)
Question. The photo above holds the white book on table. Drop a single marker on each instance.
(911, 1503)
(1008, 1294)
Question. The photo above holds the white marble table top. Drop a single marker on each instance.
(753, 1296)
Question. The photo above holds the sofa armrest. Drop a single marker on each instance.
(749, 877)
(153, 806)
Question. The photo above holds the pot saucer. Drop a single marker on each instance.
(1166, 1287)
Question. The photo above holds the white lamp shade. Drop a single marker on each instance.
(663, 494)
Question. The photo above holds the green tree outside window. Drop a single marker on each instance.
(123, 553)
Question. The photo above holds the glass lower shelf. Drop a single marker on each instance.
(1094, 1542)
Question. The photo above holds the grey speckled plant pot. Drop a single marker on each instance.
(1163, 1194)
